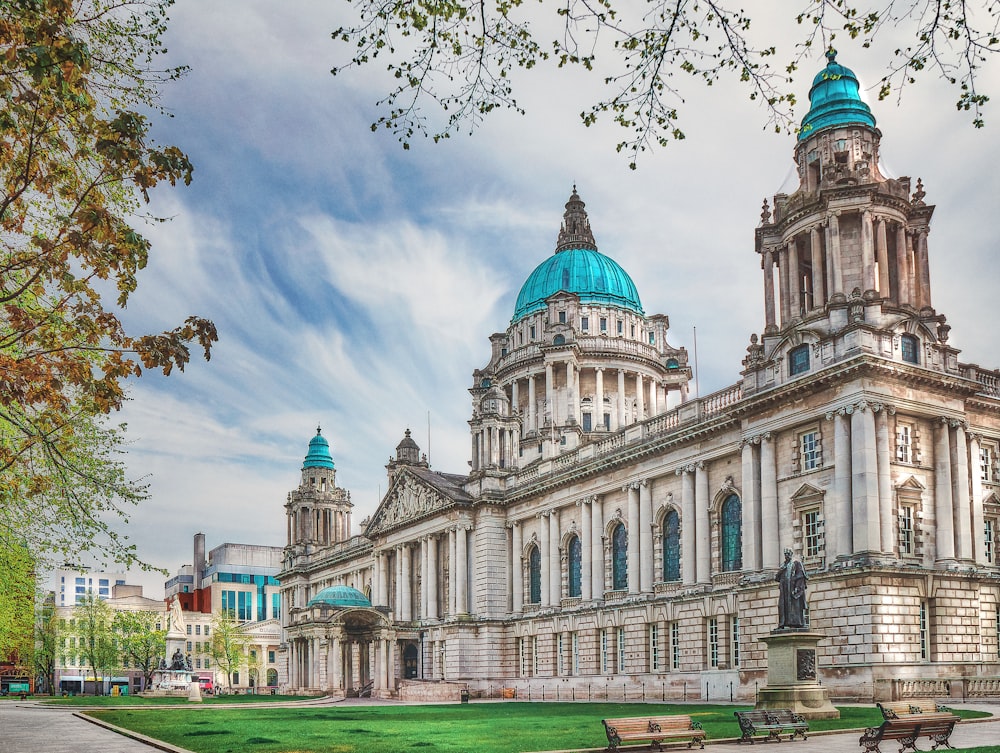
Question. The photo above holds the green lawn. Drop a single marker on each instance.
(481, 727)
(134, 700)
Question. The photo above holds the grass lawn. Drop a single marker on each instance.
(480, 727)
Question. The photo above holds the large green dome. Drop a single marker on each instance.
(835, 100)
(340, 596)
(577, 267)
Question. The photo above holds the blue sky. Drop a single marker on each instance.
(355, 285)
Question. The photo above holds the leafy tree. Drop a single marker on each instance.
(76, 164)
(17, 604)
(97, 646)
(46, 645)
(140, 642)
(463, 55)
(230, 644)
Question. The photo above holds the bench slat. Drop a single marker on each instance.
(655, 729)
(772, 721)
(908, 728)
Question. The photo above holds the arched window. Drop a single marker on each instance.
(732, 534)
(575, 565)
(798, 360)
(672, 546)
(910, 351)
(559, 340)
(619, 558)
(535, 576)
(272, 677)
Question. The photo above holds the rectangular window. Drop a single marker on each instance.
(713, 643)
(534, 655)
(809, 450)
(621, 326)
(585, 323)
(244, 611)
(206, 629)
(904, 443)
(925, 643)
(522, 665)
(986, 463)
(989, 540)
(905, 530)
(560, 666)
(188, 628)
(654, 647)
(588, 422)
(208, 663)
(735, 629)
(675, 646)
(531, 332)
(197, 663)
(275, 606)
(621, 649)
(189, 646)
(228, 603)
(811, 524)
(270, 657)
(604, 652)
(652, 338)
(197, 629)
(562, 317)
(604, 324)
(576, 653)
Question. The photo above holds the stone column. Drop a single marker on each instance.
(586, 550)
(840, 520)
(770, 539)
(883, 453)
(688, 526)
(784, 285)
(963, 510)
(532, 405)
(794, 283)
(902, 266)
(462, 555)
(640, 403)
(380, 580)
(943, 504)
(646, 558)
(751, 507)
(433, 610)
(703, 534)
(555, 572)
(816, 252)
(549, 417)
(632, 490)
(654, 408)
(597, 547)
(452, 572)
(621, 398)
(978, 516)
(833, 251)
(598, 424)
(768, 266)
(882, 254)
(397, 606)
(570, 393)
(864, 480)
(923, 266)
(544, 542)
(515, 396)
(424, 600)
(867, 251)
(516, 568)
(407, 583)
(336, 647)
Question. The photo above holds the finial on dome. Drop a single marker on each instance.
(831, 56)
(318, 430)
(575, 231)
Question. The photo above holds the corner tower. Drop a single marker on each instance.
(318, 512)
(580, 358)
(845, 257)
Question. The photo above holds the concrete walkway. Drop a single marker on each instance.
(28, 727)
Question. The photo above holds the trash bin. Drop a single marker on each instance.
(465, 695)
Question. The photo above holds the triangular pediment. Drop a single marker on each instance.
(912, 484)
(410, 497)
(807, 491)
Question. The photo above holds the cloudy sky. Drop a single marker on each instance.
(355, 285)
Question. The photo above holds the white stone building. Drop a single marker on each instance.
(615, 532)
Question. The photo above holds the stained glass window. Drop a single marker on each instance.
(908, 345)
(575, 564)
(732, 534)
(535, 576)
(672, 546)
(619, 558)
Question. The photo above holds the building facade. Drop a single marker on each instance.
(239, 579)
(614, 530)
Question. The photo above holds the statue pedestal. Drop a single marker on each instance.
(792, 675)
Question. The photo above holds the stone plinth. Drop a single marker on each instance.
(792, 679)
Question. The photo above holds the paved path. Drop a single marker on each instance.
(30, 728)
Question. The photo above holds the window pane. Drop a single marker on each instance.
(672, 547)
(535, 575)
(575, 565)
(619, 558)
(732, 534)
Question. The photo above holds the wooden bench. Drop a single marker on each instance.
(896, 709)
(771, 721)
(654, 729)
(907, 729)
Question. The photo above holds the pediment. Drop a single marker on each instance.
(407, 499)
(807, 492)
(911, 484)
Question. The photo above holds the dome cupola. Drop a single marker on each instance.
(340, 597)
(577, 267)
(835, 100)
(318, 455)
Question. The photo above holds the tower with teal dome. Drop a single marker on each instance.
(318, 513)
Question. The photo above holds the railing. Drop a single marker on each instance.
(618, 346)
(519, 356)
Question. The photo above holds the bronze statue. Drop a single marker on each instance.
(791, 579)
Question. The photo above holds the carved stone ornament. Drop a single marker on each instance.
(411, 501)
(805, 664)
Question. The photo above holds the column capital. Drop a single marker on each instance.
(633, 485)
(956, 423)
(974, 436)
(512, 524)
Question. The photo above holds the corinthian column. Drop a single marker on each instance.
(816, 251)
(978, 516)
(555, 572)
(702, 533)
(688, 541)
(646, 559)
(883, 453)
(633, 537)
(544, 542)
(586, 551)
(943, 504)
(751, 508)
(864, 480)
(516, 567)
(963, 510)
(597, 547)
(768, 264)
(770, 540)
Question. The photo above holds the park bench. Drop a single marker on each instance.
(654, 729)
(907, 729)
(771, 721)
(895, 709)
